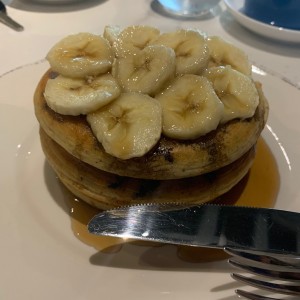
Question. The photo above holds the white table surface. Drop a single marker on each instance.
(46, 24)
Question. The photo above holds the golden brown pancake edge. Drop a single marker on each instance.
(169, 159)
(106, 190)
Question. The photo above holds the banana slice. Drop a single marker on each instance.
(133, 39)
(190, 108)
(128, 127)
(236, 90)
(111, 33)
(75, 96)
(190, 47)
(223, 53)
(80, 55)
(146, 72)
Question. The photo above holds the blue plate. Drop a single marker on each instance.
(236, 9)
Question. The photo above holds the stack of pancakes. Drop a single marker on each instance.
(192, 171)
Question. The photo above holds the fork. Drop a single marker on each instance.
(282, 273)
(5, 19)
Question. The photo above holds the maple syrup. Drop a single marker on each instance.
(258, 188)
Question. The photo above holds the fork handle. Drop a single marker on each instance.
(5, 19)
(251, 296)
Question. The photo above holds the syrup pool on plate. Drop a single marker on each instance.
(258, 188)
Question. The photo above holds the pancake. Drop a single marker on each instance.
(106, 190)
(169, 159)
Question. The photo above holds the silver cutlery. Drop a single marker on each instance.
(268, 239)
(204, 225)
(7, 20)
(280, 274)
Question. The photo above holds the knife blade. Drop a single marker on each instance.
(205, 225)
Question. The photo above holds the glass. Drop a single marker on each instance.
(188, 8)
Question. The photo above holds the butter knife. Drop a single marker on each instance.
(207, 225)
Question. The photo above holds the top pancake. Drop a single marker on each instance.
(169, 159)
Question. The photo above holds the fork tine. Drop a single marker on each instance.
(269, 286)
(252, 296)
(274, 274)
(292, 262)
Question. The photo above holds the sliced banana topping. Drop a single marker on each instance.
(147, 71)
(80, 55)
(223, 53)
(133, 39)
(75, 96)
(128, 127)
(190, 107)
(236, 90)
(111, 33)
(135, 84)
(190, 47)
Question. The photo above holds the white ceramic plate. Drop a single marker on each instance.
(40, 256)
(273, 32)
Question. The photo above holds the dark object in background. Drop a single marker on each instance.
(280, 13)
